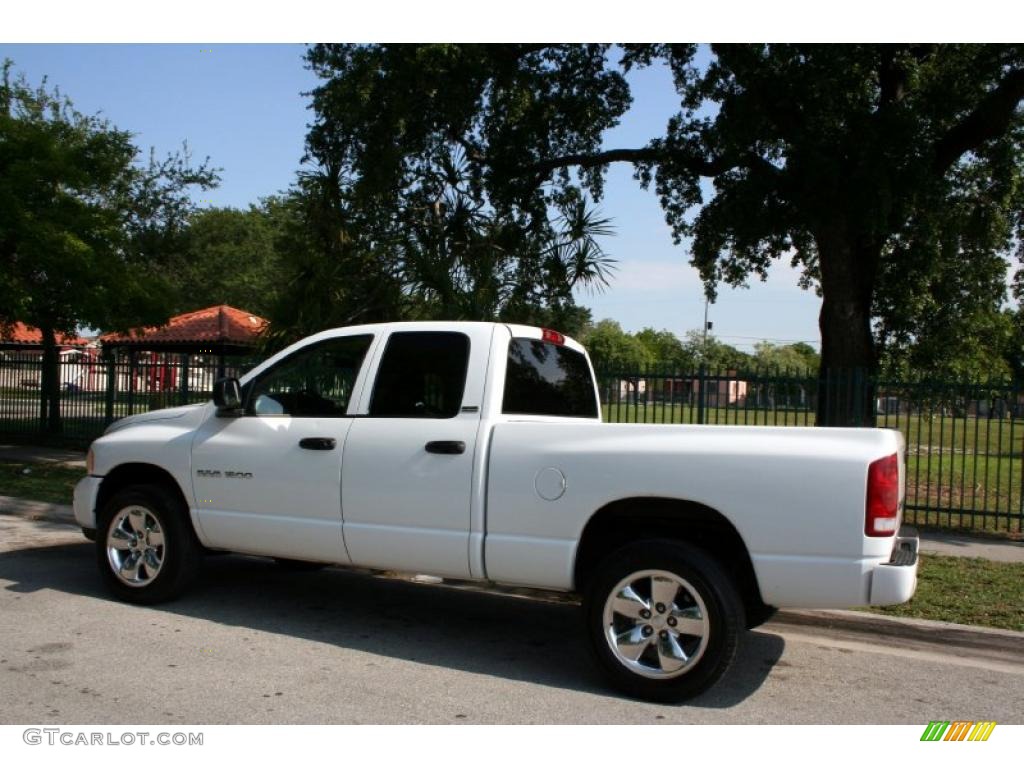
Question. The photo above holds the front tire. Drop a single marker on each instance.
(663, 619)
(146, 549)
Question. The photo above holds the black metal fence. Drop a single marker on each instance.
(964, 439)
(95, 391)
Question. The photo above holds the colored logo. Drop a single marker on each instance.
(958, 730)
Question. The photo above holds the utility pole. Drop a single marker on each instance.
(702, 371)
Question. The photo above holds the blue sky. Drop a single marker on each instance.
(242, 106)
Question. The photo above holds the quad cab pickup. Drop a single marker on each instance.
(477, 451)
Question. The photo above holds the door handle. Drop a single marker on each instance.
(446, 446)
(318, 443)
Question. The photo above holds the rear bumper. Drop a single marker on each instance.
(894, 582)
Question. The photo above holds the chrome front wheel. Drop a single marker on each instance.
(135, 546)
(145, 546)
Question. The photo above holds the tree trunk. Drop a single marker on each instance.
(848, 356)
(50, 383)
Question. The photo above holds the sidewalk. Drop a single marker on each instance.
(932, 542)
(959, 545)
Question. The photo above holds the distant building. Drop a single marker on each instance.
(21, 351)
(188, 344)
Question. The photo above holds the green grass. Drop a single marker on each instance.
(54, 483)
(966, 591)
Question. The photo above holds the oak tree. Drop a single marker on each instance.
(845, 160)
(86, 228)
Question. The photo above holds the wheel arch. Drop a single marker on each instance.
(626, 520)
(138, 473)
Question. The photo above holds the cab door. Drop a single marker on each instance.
(407, 474)
(268, 481)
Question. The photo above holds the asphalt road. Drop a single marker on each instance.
(254, 644)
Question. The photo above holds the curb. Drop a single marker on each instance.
(924, 631)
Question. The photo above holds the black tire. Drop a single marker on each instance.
(759, 614)
(693, 573)
(298, 566)
(179, 556)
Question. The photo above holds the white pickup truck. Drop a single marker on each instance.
(476, 451)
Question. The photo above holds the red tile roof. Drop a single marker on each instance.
(220, 325)
(19, 333)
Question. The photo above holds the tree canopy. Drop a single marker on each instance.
(886, 172)
(231, 256)
(86, 230)
(615, 350)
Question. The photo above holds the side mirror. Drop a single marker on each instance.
(227, 395)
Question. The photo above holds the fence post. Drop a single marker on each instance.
(701, 376)
(108, 406)
(131, 381)
(184, 379)
(42, 395)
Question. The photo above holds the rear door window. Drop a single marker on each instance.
(422, 375)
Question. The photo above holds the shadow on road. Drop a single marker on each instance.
(491, 634)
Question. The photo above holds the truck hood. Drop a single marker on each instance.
(163, 414)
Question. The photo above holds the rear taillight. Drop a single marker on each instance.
(883, 499)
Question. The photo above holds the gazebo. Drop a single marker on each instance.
(214, 333)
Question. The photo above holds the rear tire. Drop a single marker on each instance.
(664, 620)
(146, 549)
(760, 614)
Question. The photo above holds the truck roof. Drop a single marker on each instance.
(515, 329)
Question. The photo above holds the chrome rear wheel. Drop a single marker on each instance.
(656, 624)
(664, 619)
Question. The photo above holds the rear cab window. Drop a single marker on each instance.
(544, 378)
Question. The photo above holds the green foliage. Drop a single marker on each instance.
(328, 278)
(77, 210)
(612, 349)
(438, 252)
(715, 354)
(667, 350)
(398, 222)
(888, 173)
(798, 357)
(86, 231)
(229, 256)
